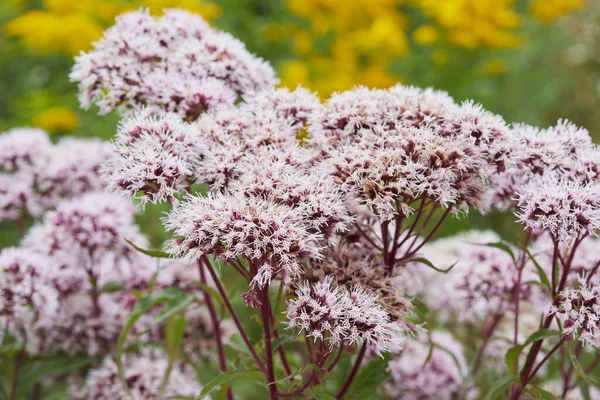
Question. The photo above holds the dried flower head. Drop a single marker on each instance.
(143, 375)
(579, 312)
(335, 315)
(566, 208)
(175, 63)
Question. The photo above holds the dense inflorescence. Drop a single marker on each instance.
(173, 63)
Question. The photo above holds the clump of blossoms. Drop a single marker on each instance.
(144, 379)
(175, 63)
(36, 175)
(428, 369)
(322, 214)
(579, 311)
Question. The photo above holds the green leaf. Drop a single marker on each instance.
(368, 380)
(512, 359)
(151, 253)
(425, 261)
(111, 287)
(174, 331)
(212, 291)
(579, 370)
(32, 373)
(542, 274)
(227, 378)
(283, 339)
(541, 335)
(142, 306)
(500, 245)
(174, 306)
(500, 388)
(540, 394)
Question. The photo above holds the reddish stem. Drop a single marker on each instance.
(266, 320)
(234, 317)
(353, 373)
(216, 325)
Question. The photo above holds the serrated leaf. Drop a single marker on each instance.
(425, 261)
(369, 378)
(151, 253)
(579, 370)
(227, 377)
(512, 359)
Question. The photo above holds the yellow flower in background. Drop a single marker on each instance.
(475, 23)
(69, 26)
(56, 120)
(547, 11)
(426, 34)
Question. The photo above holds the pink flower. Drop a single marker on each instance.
(176, 63)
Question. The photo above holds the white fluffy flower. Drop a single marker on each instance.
(337, 315)
(88, 234)
(144, 376)
(418, 374)
(175, 63)
(24, 293)
(566, 208)
(155, 156)
(272, 236)
(579, 312)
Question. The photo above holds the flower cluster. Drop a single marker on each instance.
(144, 374)
(25, 294)
(579, 312)
(564, 149)
(155, 155)
(428, 369)
(566, 208)
(480, 285)
(271, 236)
(173, 63)
(390, 147)
(36, 175)
(335, 315)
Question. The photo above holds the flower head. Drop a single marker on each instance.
(579, 312)
(155, 156)
(22, 149)
(273, 236)
(88, 234)
(175, 63)
(428, 370)
(24, 293)
(566, 208)
(144, 376)
(334, 315)
(72, 170)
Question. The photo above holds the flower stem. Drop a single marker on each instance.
(234, 317)
(267, 335)
(216, 325)
(353, 373)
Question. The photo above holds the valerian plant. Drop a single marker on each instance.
(304, 258)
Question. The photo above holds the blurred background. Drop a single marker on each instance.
(531, 61)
